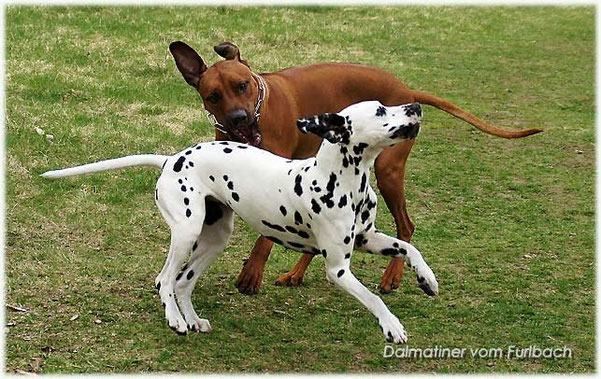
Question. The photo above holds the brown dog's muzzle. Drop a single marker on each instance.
(243, 127)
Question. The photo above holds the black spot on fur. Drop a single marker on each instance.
(191, 164)
(190, 275)
(235, 196)
(195, 246)
(315, 207)
(158, 286)
(273, 226)
(188, 213)
(179, 276)
(331, 183)
(297, 218)
(183, 188)
(364, 216)
(347, 256)
(395, 244)
(381, 111)
(156, 193)
(291, 229)
(186, 201)
(180, 181)
(212, 178)
(340, 273)
(389, 252)
(303, 234)
(225, 178)
(342, 202)
(297, 245)
(347, 239)
(363, 182)
(324, 253)
(283, 210)
(224, 143)
(345, 162)
(188, 152)
(297, 186)
(360, 148)
(273, 239)
(230, 185)
(360, 240)
(177, 167)
(227, 150)
(242, 147)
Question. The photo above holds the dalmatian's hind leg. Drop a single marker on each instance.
(216, 231)
(185, 219)
(374, 242)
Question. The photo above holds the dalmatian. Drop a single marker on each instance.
(322, 205)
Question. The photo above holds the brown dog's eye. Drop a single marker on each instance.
(242, 86)
(213, 98)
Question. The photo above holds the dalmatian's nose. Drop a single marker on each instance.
(413, 109)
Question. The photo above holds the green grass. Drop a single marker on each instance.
(508, 226)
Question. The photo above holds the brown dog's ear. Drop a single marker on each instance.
(227, 50)
(189, 63)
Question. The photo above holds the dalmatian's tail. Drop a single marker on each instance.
(111, 164)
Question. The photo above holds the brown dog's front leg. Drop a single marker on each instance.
(390, 173)
(294, 277)
(251, 277)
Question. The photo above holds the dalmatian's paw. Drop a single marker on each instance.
(427, 281)
(200, 325)
(393, 330)
(176, 323)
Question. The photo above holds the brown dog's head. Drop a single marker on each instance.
(228, 89)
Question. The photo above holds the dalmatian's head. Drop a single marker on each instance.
(368, 122)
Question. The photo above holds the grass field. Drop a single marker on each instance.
(508, 226)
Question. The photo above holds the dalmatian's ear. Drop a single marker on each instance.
(331, 126)
(229, 51)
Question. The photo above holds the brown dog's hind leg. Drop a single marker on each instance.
(390, 174)
(251, 277)
(294, 277)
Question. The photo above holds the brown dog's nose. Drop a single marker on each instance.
(238, 117)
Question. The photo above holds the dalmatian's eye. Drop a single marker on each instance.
(242, 86)
(213, 98)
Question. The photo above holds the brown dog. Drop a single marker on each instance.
(262, 109)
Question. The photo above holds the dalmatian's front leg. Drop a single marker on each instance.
(374, 242)
(338, 271)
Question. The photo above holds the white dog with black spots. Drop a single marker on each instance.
(322, 205)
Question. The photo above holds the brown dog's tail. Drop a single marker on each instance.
(442, 104)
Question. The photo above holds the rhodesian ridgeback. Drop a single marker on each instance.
(262, 109)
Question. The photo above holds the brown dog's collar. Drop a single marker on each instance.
(260, 99)
(262, 92)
